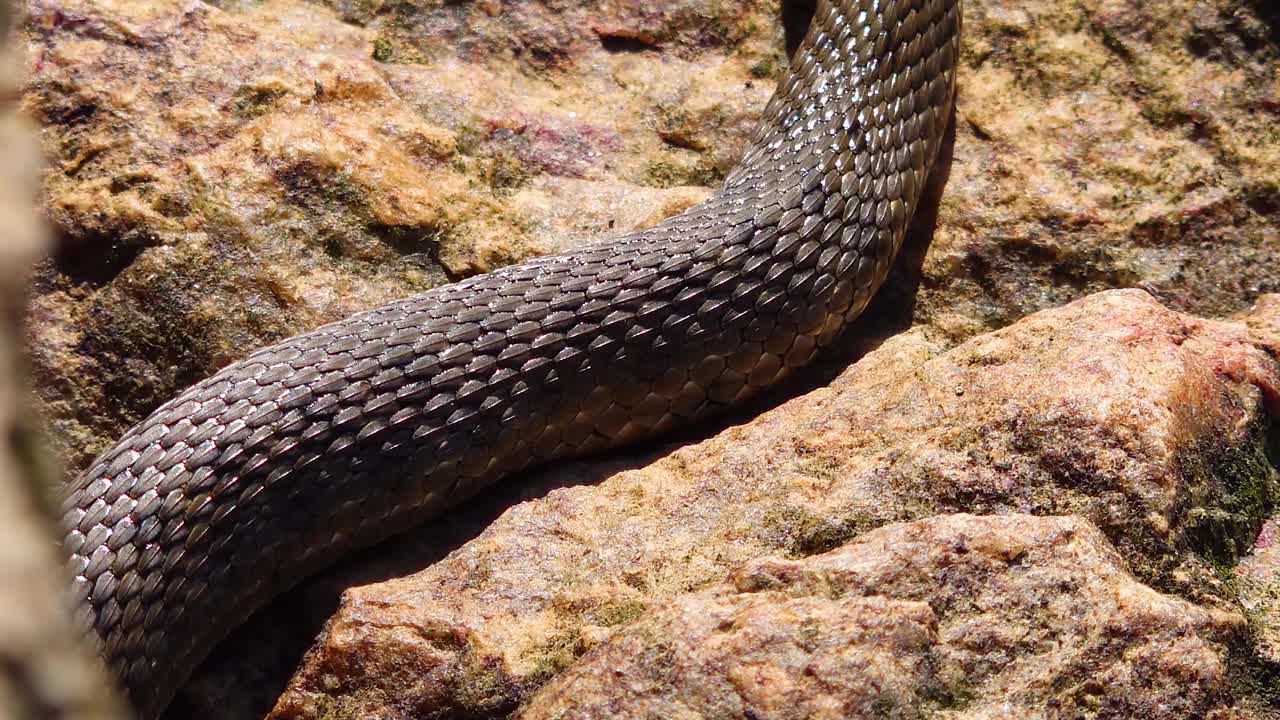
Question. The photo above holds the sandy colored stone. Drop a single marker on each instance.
(1150, 424)
(1258, 578)
(955, 616)
(1264, 320)
(1107, 143)
(225, 174)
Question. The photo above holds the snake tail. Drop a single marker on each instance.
(335, 439)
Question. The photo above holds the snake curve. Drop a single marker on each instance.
(337, 438)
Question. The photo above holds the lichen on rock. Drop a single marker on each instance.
(955, 616)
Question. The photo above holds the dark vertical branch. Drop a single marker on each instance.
(796, 16)
(46, 670)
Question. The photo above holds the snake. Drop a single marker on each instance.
(333, 440)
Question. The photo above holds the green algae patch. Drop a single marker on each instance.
(554, 656)
(1238, 488)
(803, 533)
(484, 688)
(506, 173)
(346, 707)
(383, 50)
(682, 168)
(616, 613)
(1254, 678)
(253, 102)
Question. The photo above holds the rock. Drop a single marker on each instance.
(958, 615)
(227, 176)
(1104, 144)
(1264, 320)
(230, 173)
(1150, 424)
(1258, 579)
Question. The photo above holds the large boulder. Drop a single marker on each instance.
(1150, 428)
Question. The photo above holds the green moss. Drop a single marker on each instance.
(484, 689)
(347, 707)
(820, 467)
(383, 51)
(1164, 112)
(680, 127)
(1237, 489)
(1263, 197)
(1113, 42)
(410, 239)
(336, 219)
(765, 68)
(666, 171)
(342, 189)
(623, 612)
(950, 693)
(1254, 678)
(252, 102)
(505, 173)
(662, 173)
(1213, 531)
(552, 657)
(803, 533)
(132, 180)
(469, 139)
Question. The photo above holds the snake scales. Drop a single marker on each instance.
(340, 437)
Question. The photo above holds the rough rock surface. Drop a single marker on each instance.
(1257, 577)
(1004, 616)
(1150, 424)
(226, 176)
(1258, 581)
(226, 173)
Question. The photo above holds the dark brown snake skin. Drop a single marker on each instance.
(340, 437)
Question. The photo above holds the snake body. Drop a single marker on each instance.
(335, 439)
